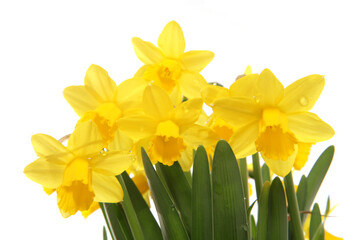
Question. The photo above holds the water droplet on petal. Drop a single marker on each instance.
(304, 101)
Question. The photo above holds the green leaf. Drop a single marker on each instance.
(253, 227)
(277, 218)
(316, 176)
(179, 189)
(263, 212)
(141, 220)
(328, 206)
(316, 226)
(229, 207)
(171, 224)
(201, 197)
(104, 233)
(116, 221)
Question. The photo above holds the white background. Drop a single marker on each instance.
(46, 46)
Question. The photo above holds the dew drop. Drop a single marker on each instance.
(304, 101)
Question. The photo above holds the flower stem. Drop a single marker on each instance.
(293, 207)
(257, 174)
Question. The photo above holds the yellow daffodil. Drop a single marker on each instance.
(169, 66)
(210, 94)
(80, 172)
(273, 120)
(101, 101)
(168, 133)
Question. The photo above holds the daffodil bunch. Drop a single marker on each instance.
(200, 182)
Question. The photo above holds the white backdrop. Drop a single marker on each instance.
(46, 46)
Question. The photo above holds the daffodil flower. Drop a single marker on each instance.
(101, 101)
(167, 133)
(273, 120)
(211, 93)
(80, 172)
(169, 66)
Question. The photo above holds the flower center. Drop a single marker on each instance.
(167, 145)
(164, 74)
(75, 193)
(105, 117)
(274, 140)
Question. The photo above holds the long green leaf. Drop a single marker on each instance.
(201, 197)
(229, 207)
(277, 218)
(316, 176)
(116, 221)
(104, 234)
(141, 220)
(263, 212)
(180, 190)
(316, 227)
(171, 224)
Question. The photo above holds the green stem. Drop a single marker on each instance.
(293, 207)
(257, 174)
(245, 182)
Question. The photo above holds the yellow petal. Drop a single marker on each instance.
(237, 111)
(196, 60)
(248, 70)
(121, 142)
(211, 93)
(191, 84)
(80, 99)
(244, 86)
(146, 51)
(269, 91)
(47, 146)
(157, 103)
(85, 140)
(243, 140)
(186, 159)
(142, 70)
(188, 112)
(281, 167)
(329, 236)
(137, 127)
(196, 135)
(130, 90)
(301, 95)
(106, 188)
(98, 82)
(112, 163)
(48, 174)
(302, 155)
(308, 127)
(171, 40)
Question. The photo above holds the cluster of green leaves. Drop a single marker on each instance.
(213, 203)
